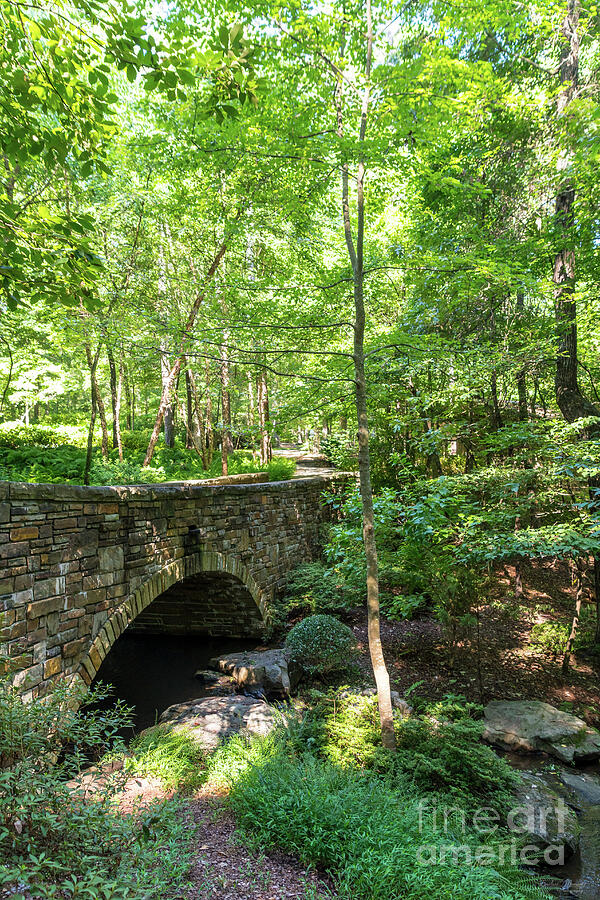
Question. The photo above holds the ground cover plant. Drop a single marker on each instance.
(56, 454)
(325, 789)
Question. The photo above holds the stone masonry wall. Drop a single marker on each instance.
(79, 564)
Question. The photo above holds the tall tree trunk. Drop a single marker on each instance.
(90, 441)
(199, 421)
(92, 365)
(167, 387)
(262, 402)
(128, 406)
(578, 579)
(355, 254)
(116, 383)
(189, 413)
(251, 403)
(226, 444)
(521, 377)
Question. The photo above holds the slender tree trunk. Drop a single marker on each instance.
(90, 441)
(199, 421)
(92, 364)
(189, 413)
(578, 573)
(262, 402)
(168, 388)
(116, 384)
(226, 444)
(128, 405)
(521, 377)
(251, 403)
(355, 254)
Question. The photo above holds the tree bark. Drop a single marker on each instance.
(167, 387)
(199, 421)
(521, 377)
(226, 444)
(93, 364)
(262, 403)
(576, 616)
(128, 405)
(116, 383)
(355, 254)
(189, 413)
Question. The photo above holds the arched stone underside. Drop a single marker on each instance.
(175, 573)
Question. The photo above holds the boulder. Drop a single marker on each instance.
(214, 683)
(586, 787)
(528, 726)
(271, 672)
(211, 720)
(542, 816)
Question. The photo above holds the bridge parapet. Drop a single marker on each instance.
(79, 564)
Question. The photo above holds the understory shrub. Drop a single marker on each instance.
(552, 637)
(315, 588)
(439, 751)
(321, 644)
(17, 435)
(61, 836)
(56, 455)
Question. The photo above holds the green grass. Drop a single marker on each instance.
(171, 756)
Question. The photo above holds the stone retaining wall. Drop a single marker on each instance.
(79, 564)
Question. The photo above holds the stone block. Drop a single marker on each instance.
(49, 587)
(74, 648)
(25, 533)
(44, 607)
(52, 667)
(110, 559)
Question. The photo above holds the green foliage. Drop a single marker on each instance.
(55, 454)
(315, 588)
(340, 453)
(550, 637)
(280, 469)
(321, 644)
(16, 436)
(174, 757)
(61, 835)
(363, 830)
(438, 750)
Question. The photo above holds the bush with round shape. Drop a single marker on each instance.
(321, 644)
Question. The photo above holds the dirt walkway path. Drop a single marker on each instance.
(225, 869)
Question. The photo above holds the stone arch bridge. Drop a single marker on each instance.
(78, 565)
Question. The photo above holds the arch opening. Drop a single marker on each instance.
(151, 650)
(182, 585)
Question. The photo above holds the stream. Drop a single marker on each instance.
(152, 671)
(580, 788)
